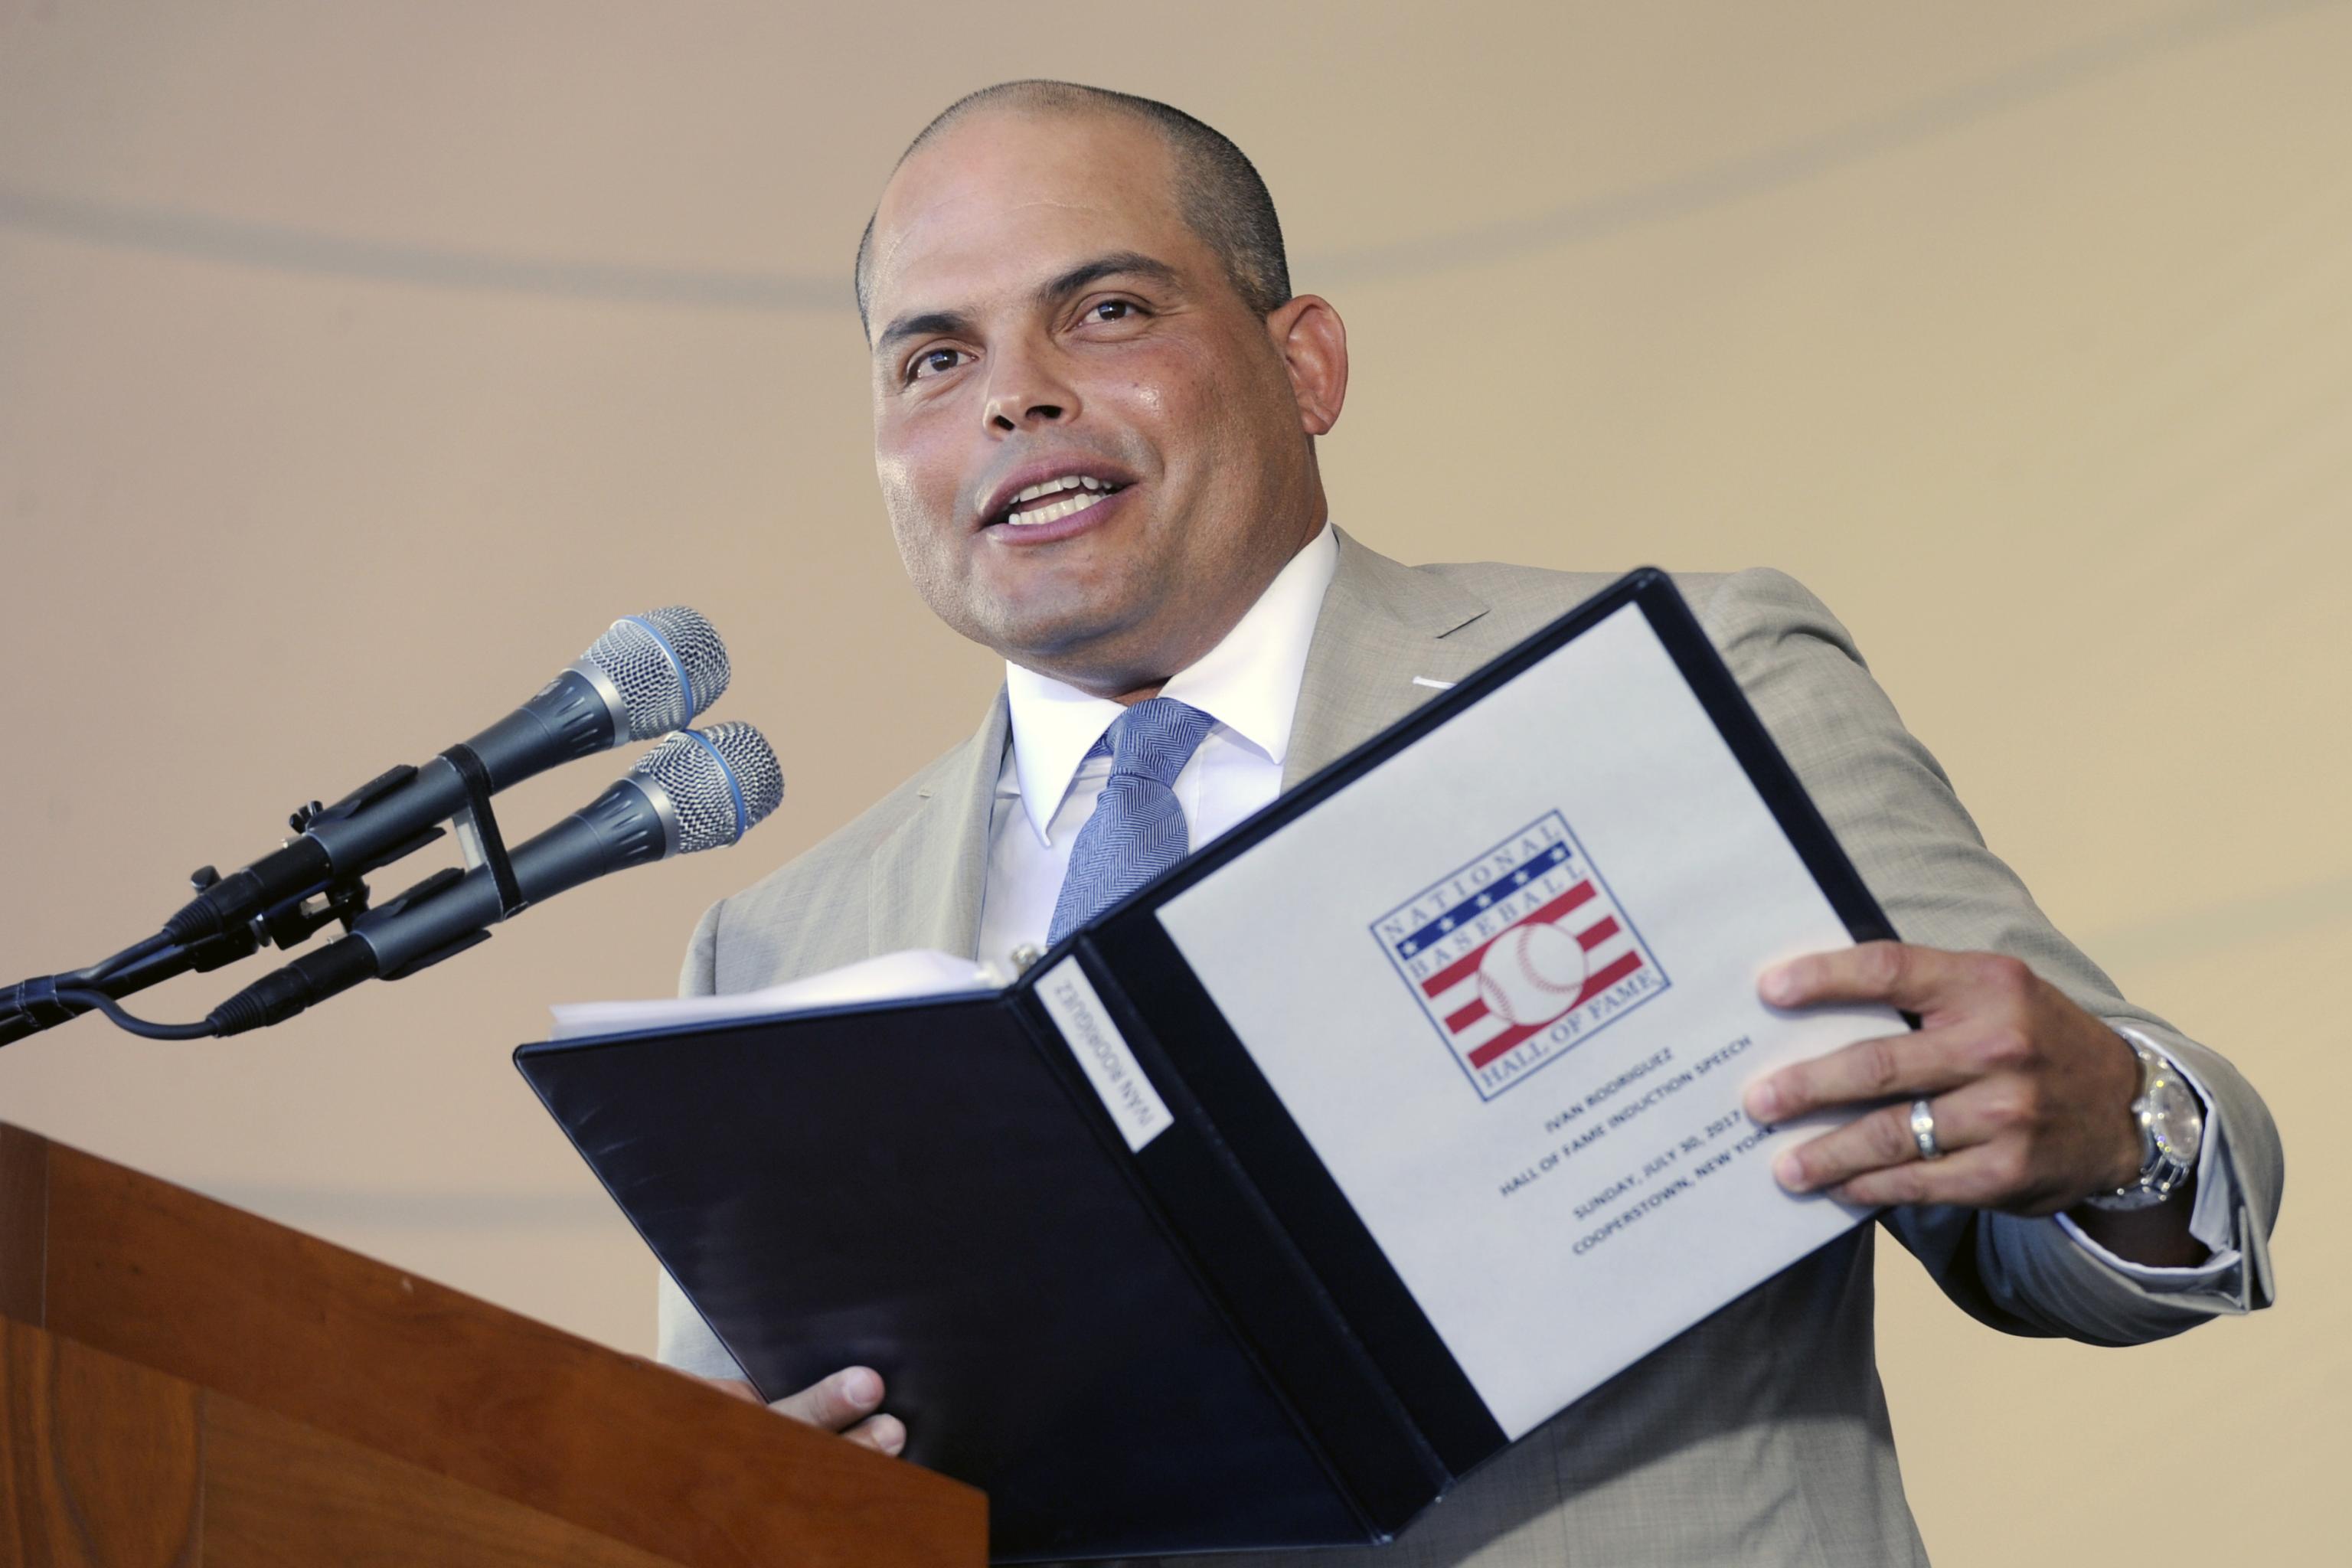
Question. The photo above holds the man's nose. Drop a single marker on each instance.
(1025, 389)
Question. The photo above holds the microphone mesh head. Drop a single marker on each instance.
(669, 664)
(723, 782)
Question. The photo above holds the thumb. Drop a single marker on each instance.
(838, 1401)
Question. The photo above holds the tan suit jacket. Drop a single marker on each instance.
(1761, 1436)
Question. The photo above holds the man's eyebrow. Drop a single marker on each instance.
(1118, 264)
(954, 324)
(945, 323)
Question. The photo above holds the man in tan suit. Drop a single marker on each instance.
(1094, 406)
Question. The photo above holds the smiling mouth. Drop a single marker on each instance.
(1054, 499)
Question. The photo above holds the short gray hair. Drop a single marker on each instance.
(1218, 189)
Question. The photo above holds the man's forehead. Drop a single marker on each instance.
(1002, 197)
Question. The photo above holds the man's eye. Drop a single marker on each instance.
(933, 361)
(1110, 311)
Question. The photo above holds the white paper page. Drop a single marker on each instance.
(1533, 1102)
(891, 977)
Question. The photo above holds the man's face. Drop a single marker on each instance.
(1043, 316)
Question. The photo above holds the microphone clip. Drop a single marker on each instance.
(477, 829)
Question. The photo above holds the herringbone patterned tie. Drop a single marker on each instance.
(1137, 830)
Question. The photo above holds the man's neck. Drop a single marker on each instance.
(1248, 682)
(1127, 687)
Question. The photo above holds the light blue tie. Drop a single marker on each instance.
(1137, 830)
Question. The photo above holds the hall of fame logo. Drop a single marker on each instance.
(1520, 956)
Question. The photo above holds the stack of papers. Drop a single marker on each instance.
(892, 977)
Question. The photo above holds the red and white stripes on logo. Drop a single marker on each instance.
(1478, 1031)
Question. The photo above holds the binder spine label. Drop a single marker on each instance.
(1103, 1053)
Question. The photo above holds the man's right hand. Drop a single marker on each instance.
(847, 1403)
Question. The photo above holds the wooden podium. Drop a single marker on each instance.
(184, 1384)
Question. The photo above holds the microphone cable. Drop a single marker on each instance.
(121, 1019)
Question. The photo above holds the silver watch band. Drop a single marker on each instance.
(2164, 1165)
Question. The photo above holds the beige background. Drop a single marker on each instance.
(359, 362)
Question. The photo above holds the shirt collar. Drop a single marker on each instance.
(1248, 683)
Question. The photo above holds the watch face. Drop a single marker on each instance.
(2177, 1120)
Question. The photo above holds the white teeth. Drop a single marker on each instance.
(1059, 510)
(1049, 487)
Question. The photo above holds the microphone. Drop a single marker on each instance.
(648, 675)
(698, 790)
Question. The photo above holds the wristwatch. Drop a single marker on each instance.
(2172, 1130)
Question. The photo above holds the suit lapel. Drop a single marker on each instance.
(1381, 625)
(926, 880)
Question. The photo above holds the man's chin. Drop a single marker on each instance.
(1091, 646)
(1055, 608)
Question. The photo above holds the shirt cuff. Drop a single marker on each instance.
(2213, 1219)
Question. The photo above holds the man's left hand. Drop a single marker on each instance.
(2032, 1096)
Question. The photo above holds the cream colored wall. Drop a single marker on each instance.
(357, 362)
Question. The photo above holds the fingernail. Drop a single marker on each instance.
(1790, 1171)
(862, 1389)
(1779, 987)
(1763, 1103)
(894, 1438)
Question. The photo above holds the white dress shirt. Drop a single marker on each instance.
(1248, 683)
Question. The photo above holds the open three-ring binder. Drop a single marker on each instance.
(1272, 1201)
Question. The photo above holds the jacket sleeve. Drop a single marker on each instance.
(1899, 820)
(683, 1339)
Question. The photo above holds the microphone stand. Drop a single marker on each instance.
(34, 1004)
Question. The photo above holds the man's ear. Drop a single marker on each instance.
(1313, 342)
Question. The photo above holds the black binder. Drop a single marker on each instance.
(1194, 1346)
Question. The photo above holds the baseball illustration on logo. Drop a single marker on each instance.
(1521, 954)
(1532, 973)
